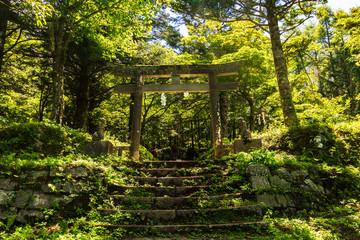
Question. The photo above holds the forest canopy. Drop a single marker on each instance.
(302, 63)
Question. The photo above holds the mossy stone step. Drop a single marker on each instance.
(208, 215)
(225, 200)
(249, 225)
(152, 191)
(174, 172)
(173, 181)
(170, 164)
(163, 197)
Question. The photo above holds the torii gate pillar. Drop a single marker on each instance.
(216, 128)
(136, 121)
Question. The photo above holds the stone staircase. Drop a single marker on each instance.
(177, 196)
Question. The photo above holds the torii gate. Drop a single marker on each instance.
(175, 72)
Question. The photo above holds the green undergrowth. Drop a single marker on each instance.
(25, 146)
(345, 176)
(336, 144)
(337, 222)
(40, 139)
(337, 160)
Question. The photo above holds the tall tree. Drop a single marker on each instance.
(346, 60)
(22, 14)
(350, 22)
(84, 69)
(4, 18)
(219, 43)
(273, 16)
(113, 24)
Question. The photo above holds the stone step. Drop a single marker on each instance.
(151, 191)
(174, 172)
(188, 227)
(170, 164)
(225, 200)
(173, 181)
(183, 216)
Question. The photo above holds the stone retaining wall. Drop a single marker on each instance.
(284, 188)
(27, 195)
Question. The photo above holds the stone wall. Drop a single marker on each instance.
(25, 196)
(285, 188)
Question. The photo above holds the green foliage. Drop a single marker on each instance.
(33, 139)
(145, 154)
(349, 22)
(310, 141)
(336, 145)
(348, 135)
(18, 106)
(317, 109)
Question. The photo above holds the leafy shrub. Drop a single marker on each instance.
(348, 136)
(44, 138)
(310, 141)
(145, 154)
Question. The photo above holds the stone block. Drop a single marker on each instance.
(315, 187)
(257, 170)
(67, 187)
(281, 201)
(29, 216)
(284, 173)
(6, 214)
(76, 172)
(275, 200)
(22, 198)
(290, 200)
(34, 176)
(241, 146)
(8, 184)
(276, 181)
(42, 201)
(6, 196)
(98, 147)
(299, 175)
(268, 199)
(259, 182)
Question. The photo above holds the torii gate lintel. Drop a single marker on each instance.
(177, 71)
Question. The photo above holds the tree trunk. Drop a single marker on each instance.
(58, 106)
(44, 97)
(4, 17)
(82, 98)
(287, 104)
(59, 41)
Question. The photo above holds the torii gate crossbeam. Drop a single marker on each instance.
(177, 71)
